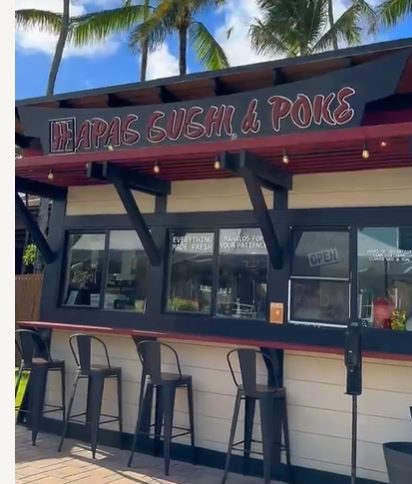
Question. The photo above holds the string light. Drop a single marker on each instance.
(110, 148)
(285, 157)
(50, 175)
(383, 144)
(365, 152)
(217, 165)
(156, 168)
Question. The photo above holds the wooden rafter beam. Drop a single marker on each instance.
(34, 230)
(166, 96)
(45, 190)
(270, 176)
(257, 200)
(136, 181)
(124, 181)
(137, 219)
(256, 174)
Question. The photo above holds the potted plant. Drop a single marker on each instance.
(398, 458)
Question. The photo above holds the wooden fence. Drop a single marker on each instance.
(27, 296)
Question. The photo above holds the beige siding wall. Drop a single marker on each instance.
(348, 189)
(353, 189)
(102, 200)
(211, 196)
(319, 411)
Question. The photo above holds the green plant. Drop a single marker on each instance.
(179, 304)
(398, 320)
(30, 255)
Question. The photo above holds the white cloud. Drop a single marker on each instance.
(238, 15)
(34, 41)
(97, 4)
(162, 63)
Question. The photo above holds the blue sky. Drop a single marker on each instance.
(113, 63)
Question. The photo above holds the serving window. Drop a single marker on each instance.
(106, 270)
(221, 273)
(385, 277)
(319, 286)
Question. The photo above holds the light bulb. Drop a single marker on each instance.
(217, 165)
(285, 158)
(156, 168)
(383, 144)
(50, 175)
(110, 148)
(365, 153)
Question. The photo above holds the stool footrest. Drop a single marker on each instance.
(256, 452)
(153, 435)
(101, 422)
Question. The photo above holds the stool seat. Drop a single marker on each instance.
(165, 384)
(95, 374)
(262, 389)
(271, 399)
(101, 369)
(43, 362)
(174, 378)
(35, 357)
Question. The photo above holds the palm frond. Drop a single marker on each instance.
(346, 29)
(265, 40)
(155, 29)
(97, 26)
(155, 36)
(391, 11)
(40, 19)
(208, 50)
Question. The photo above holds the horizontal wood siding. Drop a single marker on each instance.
(102, 200)
(369, 188)
(319, 410)
(211, 196)
(349, 189)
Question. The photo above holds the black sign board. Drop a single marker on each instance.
(331, 101)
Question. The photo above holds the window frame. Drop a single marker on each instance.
(105, 271)
(167, 271)
(348, 280)
(215, 272)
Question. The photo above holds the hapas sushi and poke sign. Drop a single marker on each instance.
(264, 206)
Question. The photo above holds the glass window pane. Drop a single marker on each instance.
(127, 275)
(321, 254)
(84, 269)
(319, 301)
(190, 272)
(384, 274)
(242, 290)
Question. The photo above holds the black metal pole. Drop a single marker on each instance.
(353, 362)
(354, 437)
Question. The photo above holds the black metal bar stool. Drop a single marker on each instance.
(96, 376)
(165, 385)
(35, 358)
(250, 391)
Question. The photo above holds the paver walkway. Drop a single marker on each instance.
(44, 465)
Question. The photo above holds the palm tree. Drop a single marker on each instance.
(52, 22)
(392, 11)
(97, 26)
(58, 24)
(179, 16)
(302, 27)
(149, 26)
